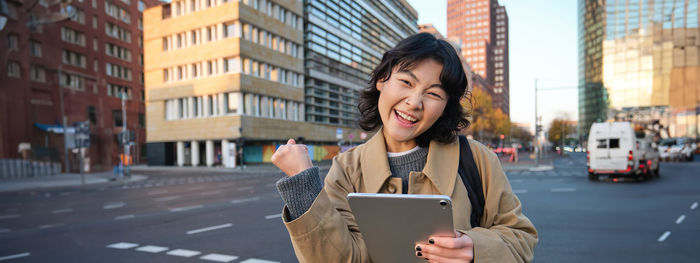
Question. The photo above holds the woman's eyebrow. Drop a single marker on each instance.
(416, 78)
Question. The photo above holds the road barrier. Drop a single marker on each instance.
(16, 169)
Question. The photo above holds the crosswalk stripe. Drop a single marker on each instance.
(183, 253)
(152, 249)
(219, 257)
(255, 260)
(123, 245)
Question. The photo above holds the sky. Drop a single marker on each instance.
(542, 45)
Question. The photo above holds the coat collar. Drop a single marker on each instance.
(440, 167)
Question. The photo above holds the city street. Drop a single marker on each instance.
(186, 216)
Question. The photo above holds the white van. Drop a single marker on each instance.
(615, 151)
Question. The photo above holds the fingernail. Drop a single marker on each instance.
(431, 241)
(417, 248)
(419, 254)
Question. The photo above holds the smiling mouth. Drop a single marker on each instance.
(405, 117)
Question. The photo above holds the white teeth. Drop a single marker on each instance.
(408, 118)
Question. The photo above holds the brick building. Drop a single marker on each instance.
(72, 60)
(481, 26)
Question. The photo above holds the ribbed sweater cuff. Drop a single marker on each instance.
(300, 191)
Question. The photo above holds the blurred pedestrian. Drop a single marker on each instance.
(413, 102)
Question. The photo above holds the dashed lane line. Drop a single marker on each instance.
(61, 211)
(151, 249)
(183, 253)
(5, 230)
(50, 226)
(113, 205)
(273, 216)
(680, 219)
(167, 198)
(123, 245)
(208, 229)
(214, 192)
(185, 208)
(559, 190)
(520, 191)
(244, 200)
(663, 237)
(124, 217)
(218, 257)
(9, 216)
(245, 188)
(21, 255)
(693, 206)
(255, 260)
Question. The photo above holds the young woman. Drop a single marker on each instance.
(413, 104)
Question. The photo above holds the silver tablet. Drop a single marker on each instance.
(391, 224)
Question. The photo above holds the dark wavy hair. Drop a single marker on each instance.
(406, 55)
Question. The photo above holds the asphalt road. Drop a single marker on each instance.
(219, 217)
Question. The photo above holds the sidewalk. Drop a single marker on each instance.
(525, 163)
(61, 180)
(258, 168)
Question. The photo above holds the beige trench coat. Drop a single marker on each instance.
(328, 232)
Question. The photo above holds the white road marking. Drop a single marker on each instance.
(516, 181)
(245, 188)
(520, 191)
(15, 256)
(680, 219)
(9, 216)
(556, 190)
(255, 260)
(208, 229)
(238, 201)
(211, 192)
(695, 205)
(124, 217)
(185, 208)
(157, 192)
(152, 249)
(123, 245)
(49, 226)
(167, 198)
(273, 216)
(59, 211)
(663, 237)
(113, 205)
(183, 253)
(195, 188)
(219, 257)
(5, 230)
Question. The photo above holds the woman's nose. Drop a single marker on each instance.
(414, 101)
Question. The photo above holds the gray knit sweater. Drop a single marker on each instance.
(300, 191)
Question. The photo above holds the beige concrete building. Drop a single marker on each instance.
(219, 74)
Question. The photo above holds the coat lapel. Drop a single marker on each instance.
(374, 163)
(441, 166)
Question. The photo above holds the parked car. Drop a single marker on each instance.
(614, 150)
(677, 149)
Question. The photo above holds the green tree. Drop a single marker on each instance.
(487, 122)
(558, 129)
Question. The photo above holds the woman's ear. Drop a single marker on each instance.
(379, 85)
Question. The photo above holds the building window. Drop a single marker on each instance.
(117, 118)
(72, 81)
(37, 73)
(119, 91)
(12, 42)
(92, 114)
(72, 36)
(142, 120)
(73, 58)
(34, 48)
(13, 69)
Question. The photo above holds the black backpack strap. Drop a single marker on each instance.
(472, 180)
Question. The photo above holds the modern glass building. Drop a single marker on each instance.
(639, 54)
(344, 41)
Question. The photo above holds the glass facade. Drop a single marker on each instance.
(635, 54)
(344, 41)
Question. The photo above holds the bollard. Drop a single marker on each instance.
(3, 169)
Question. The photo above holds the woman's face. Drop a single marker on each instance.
(410, 102)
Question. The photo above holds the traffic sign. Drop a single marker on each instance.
(82, 135)
(339, 134)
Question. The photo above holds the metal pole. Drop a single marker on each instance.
(536, 144)
(125, 138)
(63, 117)
(82, 165)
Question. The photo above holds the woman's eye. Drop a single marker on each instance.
(405, 82)
(435, 95)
